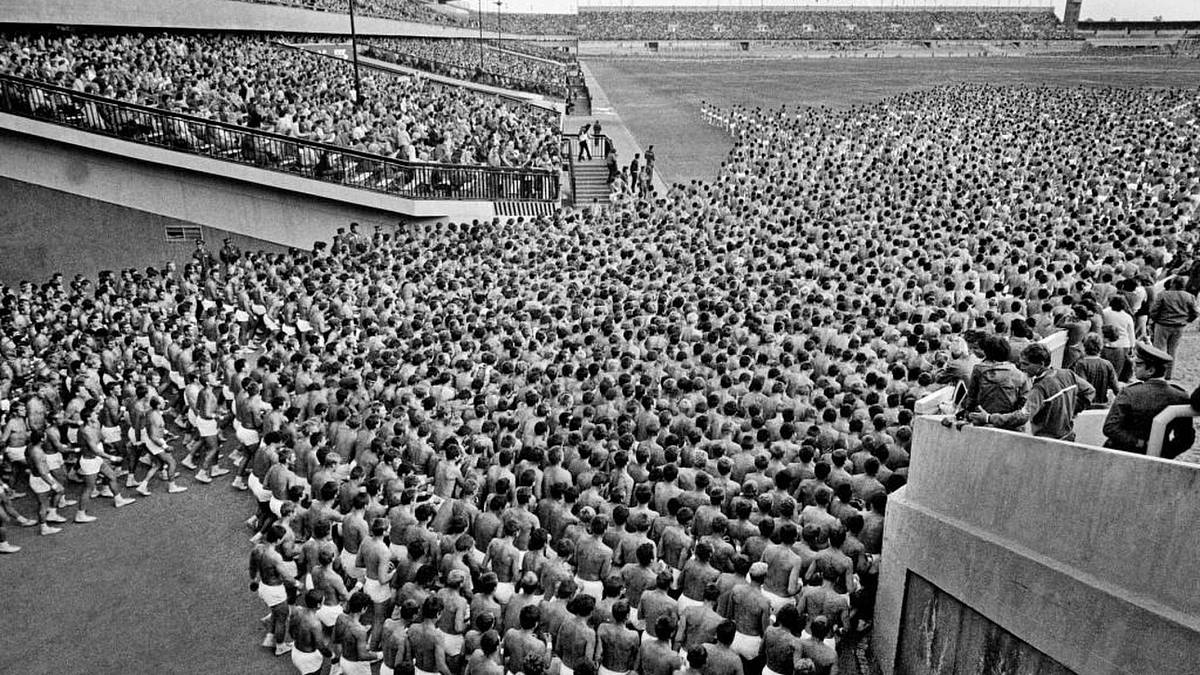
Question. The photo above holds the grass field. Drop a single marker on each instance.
(659, 99)
(161, 586)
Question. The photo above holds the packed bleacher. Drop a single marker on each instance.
(419, 11)
(525, 23)
(607, 438)
(820, 25)
(540, 51)
(254, 82)
(461, 59)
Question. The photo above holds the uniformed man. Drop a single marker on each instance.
(1127, 426)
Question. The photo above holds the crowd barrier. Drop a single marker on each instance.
(276, 152)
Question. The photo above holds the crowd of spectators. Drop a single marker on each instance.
(525, 23)
(468, 60)
(820, 25)
(538, 50)
(598, 439)
(419, 11)
(254, 82)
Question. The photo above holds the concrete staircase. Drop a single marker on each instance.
(591, 182)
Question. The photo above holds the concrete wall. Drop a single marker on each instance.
(1085, 554)
(211, 15)
(48, 231)
(257, 203)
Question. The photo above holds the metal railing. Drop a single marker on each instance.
(271, 151)
(470, 73)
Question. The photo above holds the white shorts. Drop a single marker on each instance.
(504, 592)
(307, 662)
(328, 614)
(54, 461)
(592, 588)
(349, 565)
(452, 643)
(135, 438)
(606, 671)
(355, 667)
(38, 485)
(111, 434)
(777, 601)
(15, 453)
(246, 437)
(684, 602)
(385, 669)
(275, 505)
(746, 646)
(423, 672)
(379, 593)
(90, 466)
(206, 428)
(828, 642)
(272, 595)
(154, 448)
(191, 417)
(256, 488)
(768, 671)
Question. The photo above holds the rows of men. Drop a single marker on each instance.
(613, 24)
(252, 81)
(466, 59)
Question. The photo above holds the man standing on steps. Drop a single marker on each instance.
(584, 143)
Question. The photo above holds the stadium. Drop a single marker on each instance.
(543, 337)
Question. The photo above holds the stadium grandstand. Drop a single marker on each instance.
(416, 344)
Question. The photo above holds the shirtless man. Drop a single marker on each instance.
(93, 462)
(425, 640)
(156, 444)
(455, 616)
(43, 484)
(617, 645)
(781, 643)
(575, 641)
(593, 559)
(350, 638)
(191, 441)
(268, 578)
(697, 574)
(309, 646)
(354, 533)
(504, 559)
(657, 656)
(55, 446)
(333, 590)
(698, 623)
(522, 640)
(137, 407)
(376, 559)
(249, 409)
(395, 638)
(15, 438)
(721, 659)
(751, 613)
(782, 563)
(207, 426)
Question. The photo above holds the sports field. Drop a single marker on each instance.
(659, 99)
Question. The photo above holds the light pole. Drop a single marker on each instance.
(499, 40)
(354, 57)
(481, 36)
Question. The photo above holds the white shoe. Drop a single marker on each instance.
(218, 471)
(26, 522)
(175, 489)
(131, 481)
(188, 463)
(145, 459)
(239, 483)
(255, 539)
(143, 490)
(82, 517)
(106, 491)
(47, 529)
(6, 547)
(282, 649)
(53, 517)
(269, 641)
(64, 502)
(203, 477)
(252, 522)
(120, 501)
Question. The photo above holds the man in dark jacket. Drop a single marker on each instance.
(998, 391)
(1171, 312)
(1056, 397)
(1127, 426)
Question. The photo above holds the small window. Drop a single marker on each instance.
(185, 234)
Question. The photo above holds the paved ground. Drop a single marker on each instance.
(159, 586)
